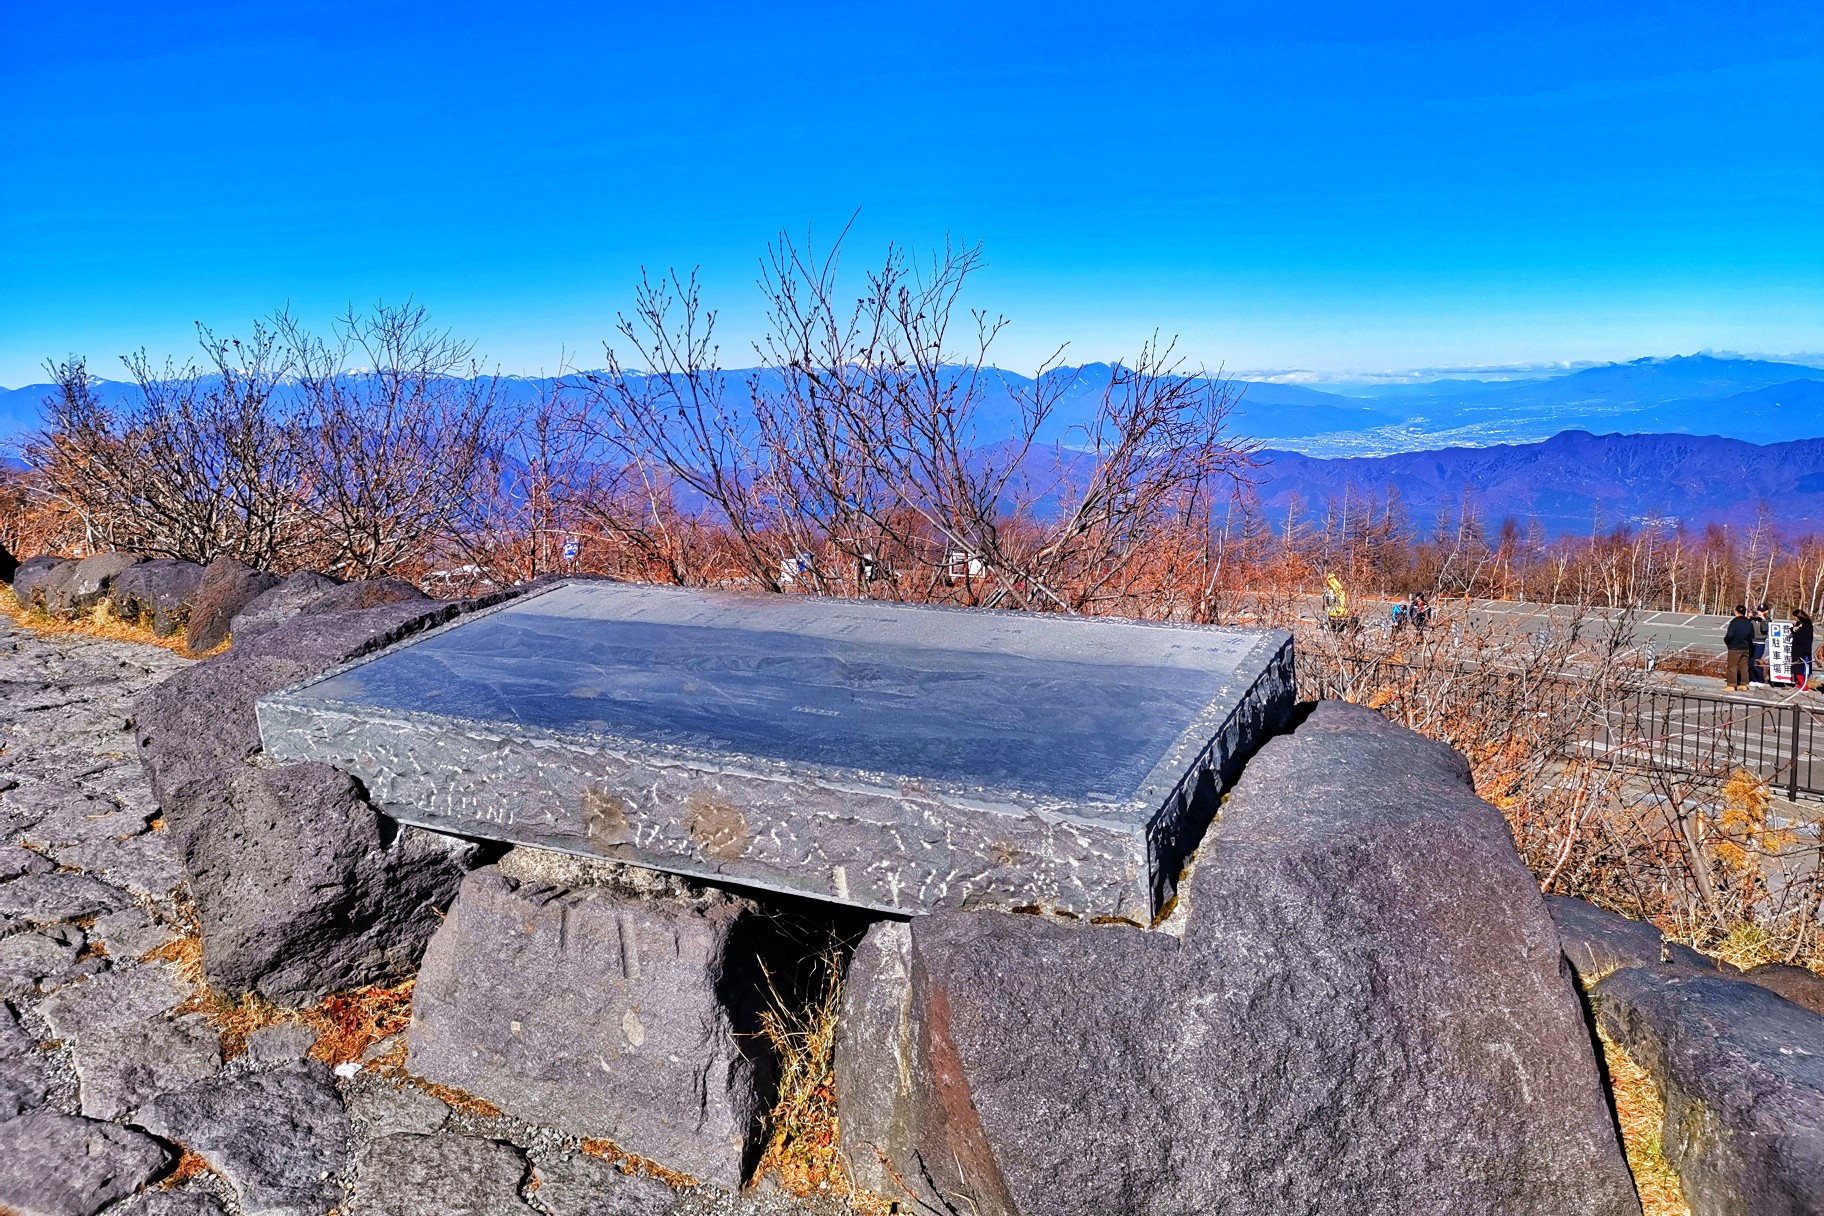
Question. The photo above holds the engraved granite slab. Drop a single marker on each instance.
(891, 756)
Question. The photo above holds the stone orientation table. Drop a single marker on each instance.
(889, 756)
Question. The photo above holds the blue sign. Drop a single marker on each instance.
(570, 548)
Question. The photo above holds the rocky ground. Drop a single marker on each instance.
(118, 1091)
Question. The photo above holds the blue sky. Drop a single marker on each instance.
(1336, 188)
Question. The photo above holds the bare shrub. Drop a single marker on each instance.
(862, 460)
(1604, 799)
(32, 519)
(399, 421)
(207, 461)
(670, 421)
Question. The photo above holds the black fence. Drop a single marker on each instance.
(1673, 730)
(1665, 729)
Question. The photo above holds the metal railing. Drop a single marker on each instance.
(1674, 730)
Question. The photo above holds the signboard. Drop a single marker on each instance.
(570, 547)
(1779, 652)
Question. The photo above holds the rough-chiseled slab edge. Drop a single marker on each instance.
(870, 839)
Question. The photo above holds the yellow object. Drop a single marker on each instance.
(1336, 598)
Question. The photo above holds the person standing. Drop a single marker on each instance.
(1801, 649)
(1757, 668)
(1738, 645)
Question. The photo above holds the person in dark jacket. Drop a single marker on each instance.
(1801, 649)
(1738, 642)
(1757, 663)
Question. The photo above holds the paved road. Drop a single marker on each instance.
(1670, 630)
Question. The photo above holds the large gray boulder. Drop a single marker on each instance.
(329, 638)
(302, 888)
(1597, 941)
(227, 586)
(1741, 1072)
(1367, 1010)
(308, 594)
(59, 1165)
(578, 998)
(29, 579)
(157, 595)
(279, 604)
(876, 1060)
(365, 593)
(75, 588)
(201, 722)
(1796, 984)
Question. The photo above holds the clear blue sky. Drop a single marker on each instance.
(1346, 188)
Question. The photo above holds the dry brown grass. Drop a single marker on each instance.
(802, 1151)
(190, 1164)
(1641, 1114)
(234, 1021)
(100, 623)
(347, 1024)
(627, 1163)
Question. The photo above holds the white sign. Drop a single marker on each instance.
(1779, 652)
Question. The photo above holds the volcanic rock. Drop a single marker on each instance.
(227, 586)
(1741, 1073)
(302, 888)
(158, 594)
(1368, 1010)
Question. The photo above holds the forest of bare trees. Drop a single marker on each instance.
(859, 463)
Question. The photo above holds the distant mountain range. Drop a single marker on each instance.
(1574, 482)
(1656, 438)
(1754, 399)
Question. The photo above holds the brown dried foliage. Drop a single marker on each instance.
(101, 623)
(627, 1163)
(346, 1024)
(190, 1164)
(803, 1154)
(1641, 1115)
(1697, 848)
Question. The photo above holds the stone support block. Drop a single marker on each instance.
(618, 1006)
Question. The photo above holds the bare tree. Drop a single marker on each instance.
(400, 417)
(207, 461)
(539, 483)
(670, 421)
(866, 444)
